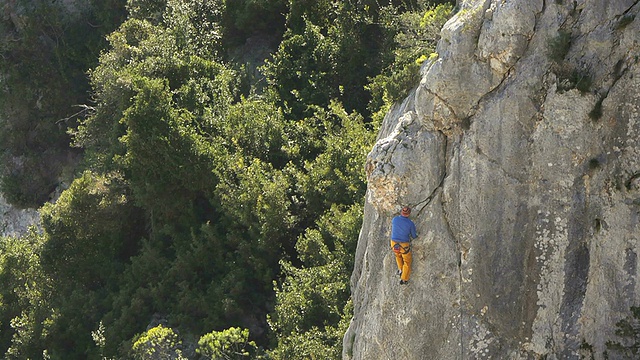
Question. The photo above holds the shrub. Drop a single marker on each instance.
(44, 60)
(628, 332)
(417, 33)
(558, 46)
(159, 343)
(596, 113)
(624, 21)
(232, 343)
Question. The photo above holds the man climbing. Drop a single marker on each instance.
(403, 230)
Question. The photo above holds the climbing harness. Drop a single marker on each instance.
(399, 249)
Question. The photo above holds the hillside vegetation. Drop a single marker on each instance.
(212, 202)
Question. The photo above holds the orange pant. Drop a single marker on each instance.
(403, 260)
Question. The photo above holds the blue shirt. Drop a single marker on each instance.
(402, 229)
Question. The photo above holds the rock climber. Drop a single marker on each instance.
(403, 230)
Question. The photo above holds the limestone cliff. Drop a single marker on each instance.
(520, 154)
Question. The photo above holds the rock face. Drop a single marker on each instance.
(16, 222)
(520, 154)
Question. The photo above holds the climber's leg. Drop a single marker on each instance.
(406, 266)
(399, 259)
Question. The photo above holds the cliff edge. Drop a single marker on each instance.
(519, 152)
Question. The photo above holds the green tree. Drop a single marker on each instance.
(311, 311)
(90, 229)
(90, 233)
(302, 70)
(158, 343)
(312, 301)
(416, 34)
(44, 54)
(162, 144)
(228, 344)
(336, 174)
(313, 305)
(25, 315)
(256, 129)
(331, 50)
(191, 159)
(244, 18)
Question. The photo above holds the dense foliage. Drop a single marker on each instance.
(46, 52)
(210, 212)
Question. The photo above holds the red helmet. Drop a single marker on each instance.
(406, 211)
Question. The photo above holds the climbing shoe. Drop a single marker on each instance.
(399, 272)
(402, 282)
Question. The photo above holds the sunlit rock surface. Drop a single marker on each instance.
(521, 159)
(15, 222)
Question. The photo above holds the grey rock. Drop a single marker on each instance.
(14, 221)
(524, 173)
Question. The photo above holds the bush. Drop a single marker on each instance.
(628, 331)
(158, 343)
(43, 61)
(417, 33)
(232, 343)
(559, 46)
(25, 313)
